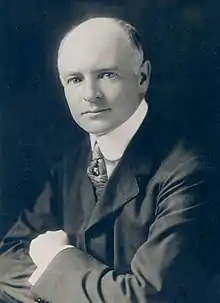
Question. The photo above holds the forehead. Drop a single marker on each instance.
(93, 46)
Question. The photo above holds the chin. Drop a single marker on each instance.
(98, 131)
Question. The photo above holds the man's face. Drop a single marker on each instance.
(95, 66)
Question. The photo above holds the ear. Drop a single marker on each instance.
(144, 77)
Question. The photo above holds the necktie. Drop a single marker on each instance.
(97, 170)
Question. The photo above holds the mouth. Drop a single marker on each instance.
(96, 111)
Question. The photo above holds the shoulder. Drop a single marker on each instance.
(185, 174)
(172, 150)
(184, 157)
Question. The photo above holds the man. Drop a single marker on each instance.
(128, 216)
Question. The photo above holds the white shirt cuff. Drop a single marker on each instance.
(41, 269)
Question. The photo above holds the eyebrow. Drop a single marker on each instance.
(115, 68)
(100, 70)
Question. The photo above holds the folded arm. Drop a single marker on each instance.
(164, 268)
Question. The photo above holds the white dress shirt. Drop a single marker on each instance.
(114, 143)
(112, 146)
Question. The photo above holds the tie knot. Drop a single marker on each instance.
(97, 170)
(97, 154)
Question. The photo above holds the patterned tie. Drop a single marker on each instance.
(97, 170)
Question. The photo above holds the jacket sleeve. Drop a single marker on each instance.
(164, 269)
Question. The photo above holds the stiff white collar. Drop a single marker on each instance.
(114, 143)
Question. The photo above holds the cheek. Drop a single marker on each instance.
(112, 91)
(119, 94)
(125, 102)
(72, 97)
(70, 94)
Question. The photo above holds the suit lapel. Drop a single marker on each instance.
(124, 184)
(78, 193)
(118, 191)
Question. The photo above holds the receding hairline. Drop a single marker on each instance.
(130, 32)
(74, 28)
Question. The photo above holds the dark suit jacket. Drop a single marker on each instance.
(150, 237)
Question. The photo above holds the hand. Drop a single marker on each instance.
(45, 247)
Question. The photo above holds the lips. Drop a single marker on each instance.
(95, 111)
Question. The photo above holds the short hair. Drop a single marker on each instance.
(133, 38)
(135, 41)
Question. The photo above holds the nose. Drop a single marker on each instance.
(91, 92)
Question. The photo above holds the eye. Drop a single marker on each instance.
(108, 75)
(74, 80)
